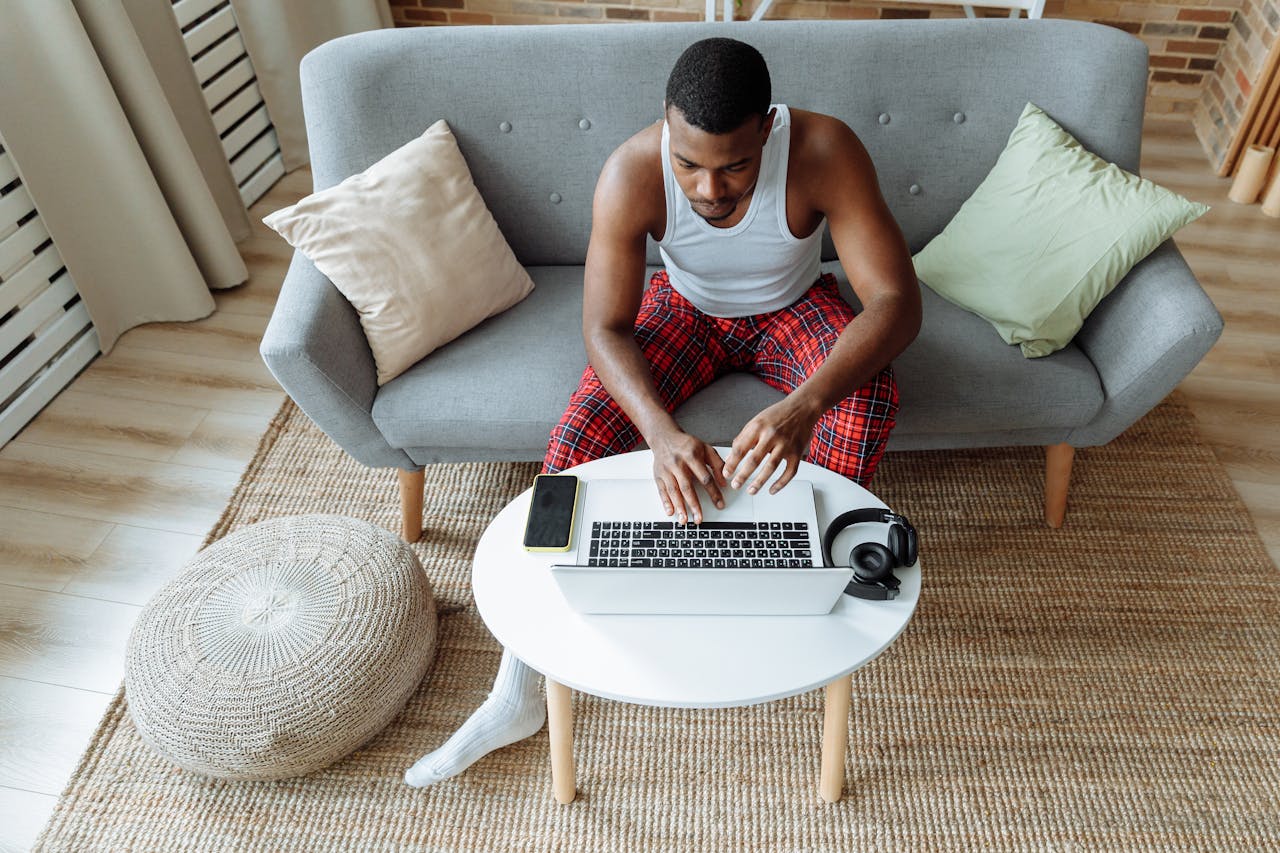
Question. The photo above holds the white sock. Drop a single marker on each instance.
(513, 711)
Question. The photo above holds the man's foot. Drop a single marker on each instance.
(513, 711)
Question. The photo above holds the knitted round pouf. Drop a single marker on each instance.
(281, 648)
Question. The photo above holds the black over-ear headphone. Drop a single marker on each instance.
(873, 563)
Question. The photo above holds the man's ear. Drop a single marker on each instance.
(768, 124)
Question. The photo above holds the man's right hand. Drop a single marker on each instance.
(680, 463)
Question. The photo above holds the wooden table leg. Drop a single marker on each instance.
(835, 739)
(1057, 479)
(564, 781)
(411, 486)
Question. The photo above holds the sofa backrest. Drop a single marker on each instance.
(537, 109)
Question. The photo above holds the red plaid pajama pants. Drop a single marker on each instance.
(687, 350)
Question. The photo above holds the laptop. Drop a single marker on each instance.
(759, 555)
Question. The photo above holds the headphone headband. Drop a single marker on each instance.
(858, 516)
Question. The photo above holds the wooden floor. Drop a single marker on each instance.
(110, 490)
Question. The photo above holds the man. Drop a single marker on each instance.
(735, 190)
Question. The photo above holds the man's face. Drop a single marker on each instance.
(717, 171)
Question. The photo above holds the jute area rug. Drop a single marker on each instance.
(1109, 686)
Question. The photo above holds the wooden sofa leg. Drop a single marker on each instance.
(1057, 476)
(411, 484)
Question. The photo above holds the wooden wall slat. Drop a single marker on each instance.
(189, 10)
(246, 131)
(205, 33)
(14, 205)
(17, 248)
(248, 161)
(53, 375)
(36, 314)
(229, 51)
(29, 280)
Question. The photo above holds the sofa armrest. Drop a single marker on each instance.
(1143, 339)
(317, 351)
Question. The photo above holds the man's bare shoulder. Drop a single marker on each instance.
(636, 165)
(828, 163)
(630, 184)
(817, 137)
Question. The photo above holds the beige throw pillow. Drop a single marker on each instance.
(411, 245)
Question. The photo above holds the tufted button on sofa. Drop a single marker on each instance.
(933, 102)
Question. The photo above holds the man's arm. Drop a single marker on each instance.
(624, 211)
(835, 177)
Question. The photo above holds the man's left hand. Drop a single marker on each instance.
(780, 434)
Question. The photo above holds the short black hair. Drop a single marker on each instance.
(718, 83)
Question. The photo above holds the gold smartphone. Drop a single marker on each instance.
(552, 513)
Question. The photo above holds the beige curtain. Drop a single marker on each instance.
(101, 111)
(277, 34)
(113, 171)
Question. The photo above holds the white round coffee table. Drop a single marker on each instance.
(684, 661)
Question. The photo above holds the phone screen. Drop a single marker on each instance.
(550, 523)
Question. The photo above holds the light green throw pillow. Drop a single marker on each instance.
(1046, 235)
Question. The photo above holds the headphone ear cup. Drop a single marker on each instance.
(900, 545)
(871, 562)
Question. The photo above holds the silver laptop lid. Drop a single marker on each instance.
(700, 591)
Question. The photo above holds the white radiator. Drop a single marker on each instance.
(231, 92)
(46, 337)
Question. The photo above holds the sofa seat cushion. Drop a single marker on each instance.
(957, 377)
(501, 385)
(529, 359)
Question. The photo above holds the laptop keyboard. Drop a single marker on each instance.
(722, 544)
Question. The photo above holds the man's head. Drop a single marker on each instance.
(718, 83)
(718, 116)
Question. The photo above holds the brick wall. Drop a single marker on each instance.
(1186, 37)
(1225, 95)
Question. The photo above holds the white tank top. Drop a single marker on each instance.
(754, 267)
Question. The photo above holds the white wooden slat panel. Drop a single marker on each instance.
(254, 156)
(187, 11)
(17, 247)
(14, 206)
(223, 87)
(43, 345)
(260, 181)
(55, 377)
(8, 172)
(229, 113)
(247, 131)
(227, 52)
(28, 362)
(20, 286)
(231, 92)
(45, 307)
(207, 32)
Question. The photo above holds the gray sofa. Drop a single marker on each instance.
(536, 110)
